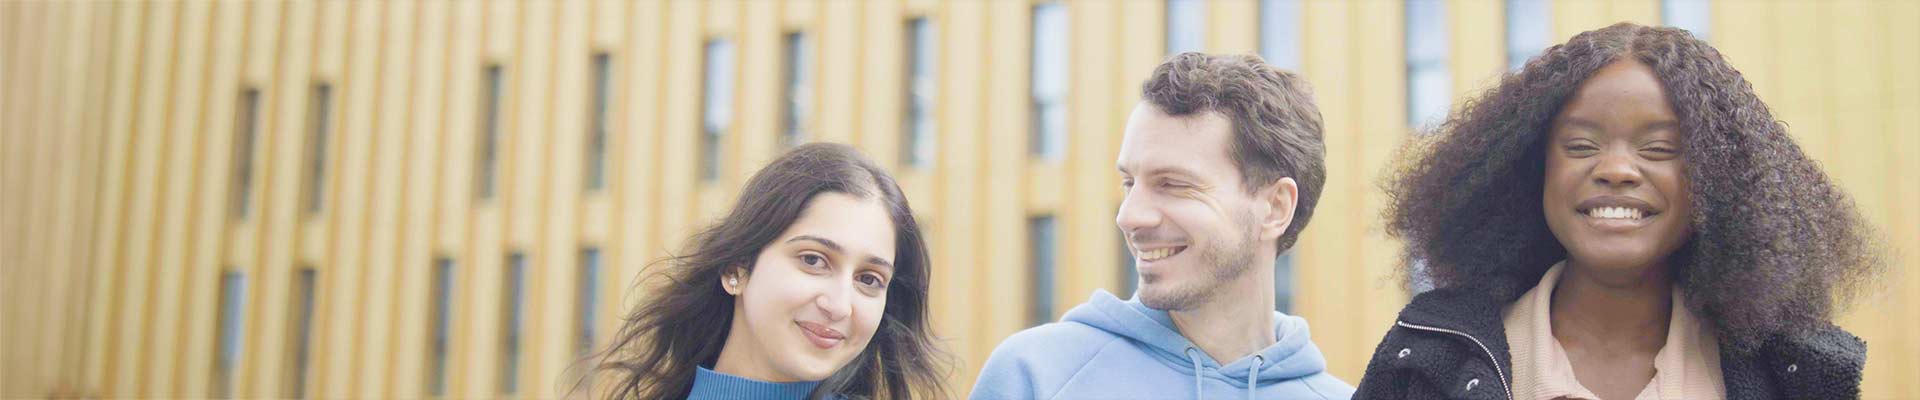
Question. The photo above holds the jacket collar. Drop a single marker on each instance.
(1797, 365)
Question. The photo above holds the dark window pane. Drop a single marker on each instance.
(1042, 258)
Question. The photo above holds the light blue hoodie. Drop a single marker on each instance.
(1114, 349)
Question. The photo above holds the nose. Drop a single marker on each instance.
(1135, 214)
(833, 302)
(1617, 170)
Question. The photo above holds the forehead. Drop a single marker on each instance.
(1197, 144)
(861, 226)
(1624, 92)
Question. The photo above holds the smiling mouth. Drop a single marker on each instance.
(1159, 253)
(1616, 210)
(820, 335)
(1621, 213)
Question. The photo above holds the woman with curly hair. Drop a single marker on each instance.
(813, 286)
(1621, 219)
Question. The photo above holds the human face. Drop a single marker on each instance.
(1616, 187)
(816, 293)
(1191, 225)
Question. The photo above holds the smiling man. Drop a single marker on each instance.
(1222, 162)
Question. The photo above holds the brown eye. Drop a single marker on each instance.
(1661, 153)
(1581, 149)
(813, 260)
(872, 281)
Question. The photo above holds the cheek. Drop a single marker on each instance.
(775, 290)
(1560, 181)
(1674, 185)
(867, 314)
(1193, 216)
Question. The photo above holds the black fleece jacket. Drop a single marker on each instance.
(1450, 343)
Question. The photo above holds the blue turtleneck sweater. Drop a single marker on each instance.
(708, 384)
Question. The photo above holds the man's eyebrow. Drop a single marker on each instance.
(1168, 170)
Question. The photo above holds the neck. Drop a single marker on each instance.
(1628, 312)
(1228, 326)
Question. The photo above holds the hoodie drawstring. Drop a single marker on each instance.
(1196, 373)
(1254, 373)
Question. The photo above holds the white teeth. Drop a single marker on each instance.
(1156, 254)
(1616, 213)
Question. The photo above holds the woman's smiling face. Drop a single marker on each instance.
(817, 292)
(1615, 193)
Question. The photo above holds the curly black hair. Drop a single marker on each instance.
(1776, 247)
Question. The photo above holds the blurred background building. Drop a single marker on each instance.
(415, 199)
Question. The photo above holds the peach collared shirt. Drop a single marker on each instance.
(1688, 367)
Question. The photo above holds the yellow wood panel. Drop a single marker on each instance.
(23, 171)
(1088, 239)
(840, 37)
(882, 90)
(209, 213)
(679, 124)
(468, 34)
(551, 322)
(959, 29)
(1376, 297)
(635, 137)
(1004, 257)
(142, 185)
(1903, 225)
(149, 141)
(284, 85)
(1477, 39)
(1233, 27)
(1328, 63)
(92, 22)
(384, 235)
(425, 183)
(182, 128)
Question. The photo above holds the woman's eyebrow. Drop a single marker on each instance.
(1582, 123)
(835, 247)
(829, 243)
(881, 262)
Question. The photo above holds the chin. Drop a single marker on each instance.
(1616, 258)
(1163, 296)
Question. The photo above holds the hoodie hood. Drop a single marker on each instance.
(1109, 348)
(1293, 356)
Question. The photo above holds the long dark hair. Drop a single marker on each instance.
(685, 321)
(1776, 248)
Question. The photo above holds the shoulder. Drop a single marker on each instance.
(1437, 340)
(1823, 362)
(1057, 340)
(1034, 363)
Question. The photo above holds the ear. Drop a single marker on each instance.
(733, 280)
(1281, 197)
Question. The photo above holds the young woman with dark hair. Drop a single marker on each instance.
(813, 286)
(1622, 219)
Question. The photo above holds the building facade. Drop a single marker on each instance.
(410, 199)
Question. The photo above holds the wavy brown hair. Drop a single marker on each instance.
(1776, 248)
(685, 319)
